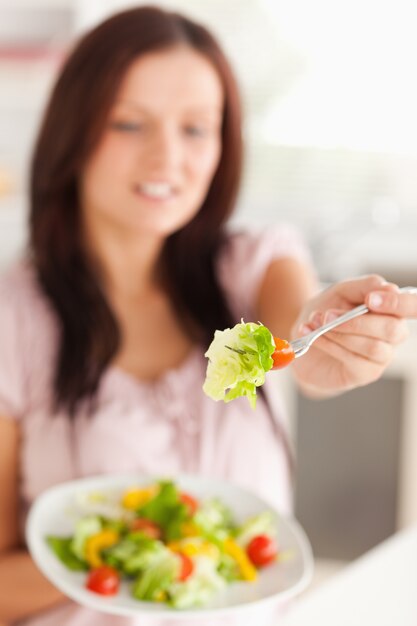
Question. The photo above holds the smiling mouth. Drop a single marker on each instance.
(156, 191)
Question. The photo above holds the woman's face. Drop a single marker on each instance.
(157, 156)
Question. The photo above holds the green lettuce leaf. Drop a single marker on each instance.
(261, 524)
(199, 588)
(156, 578)
(84, 528)
(135, 553)
(239, 358)
(61, 546)
(214, 521)
(166, 510)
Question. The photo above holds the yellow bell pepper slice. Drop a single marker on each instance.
(134, 498)
(96, 543)
(246, 567)
(195, 547)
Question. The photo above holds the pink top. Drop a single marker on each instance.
(157, 428)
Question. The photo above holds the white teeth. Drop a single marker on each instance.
(156, 190)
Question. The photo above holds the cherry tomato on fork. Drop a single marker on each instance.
(283, 354)
(262, 550)
(104, 580)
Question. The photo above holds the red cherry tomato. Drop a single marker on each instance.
(147, 527)
(191, 502)
(283, 354)
(186, 568)
(262, 550)
(103, 580)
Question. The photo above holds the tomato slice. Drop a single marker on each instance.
(147, 527)
(262, 550)
(191, 502)
(104, 580)
(283, 354)
(186, 568)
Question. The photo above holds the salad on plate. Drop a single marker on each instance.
(169, 546)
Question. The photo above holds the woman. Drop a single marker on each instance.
(130, 270)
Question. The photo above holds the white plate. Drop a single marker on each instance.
(50, 515)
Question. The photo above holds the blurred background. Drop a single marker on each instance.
(330, 99)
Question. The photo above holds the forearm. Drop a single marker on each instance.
(24, 590)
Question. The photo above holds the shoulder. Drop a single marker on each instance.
(17, 279)
(14, 309)
(246, 255)
(27, 338)
(26, 317)
(20, 291)
(264, 244)
(12, 295)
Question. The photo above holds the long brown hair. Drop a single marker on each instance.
(72, 126)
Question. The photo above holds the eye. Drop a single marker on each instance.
(127, 127)
(194, 130)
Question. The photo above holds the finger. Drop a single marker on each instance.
(359, 370)
(393, 302)
(374, 350)
(384, 327)
(316, 319)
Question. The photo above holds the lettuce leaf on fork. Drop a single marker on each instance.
(239, 358)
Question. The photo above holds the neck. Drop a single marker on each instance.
(128, 265)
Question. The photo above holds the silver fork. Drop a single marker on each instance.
(301, 345)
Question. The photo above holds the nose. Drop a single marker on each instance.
(164, 149)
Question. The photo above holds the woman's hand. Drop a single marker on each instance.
(358, 352)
